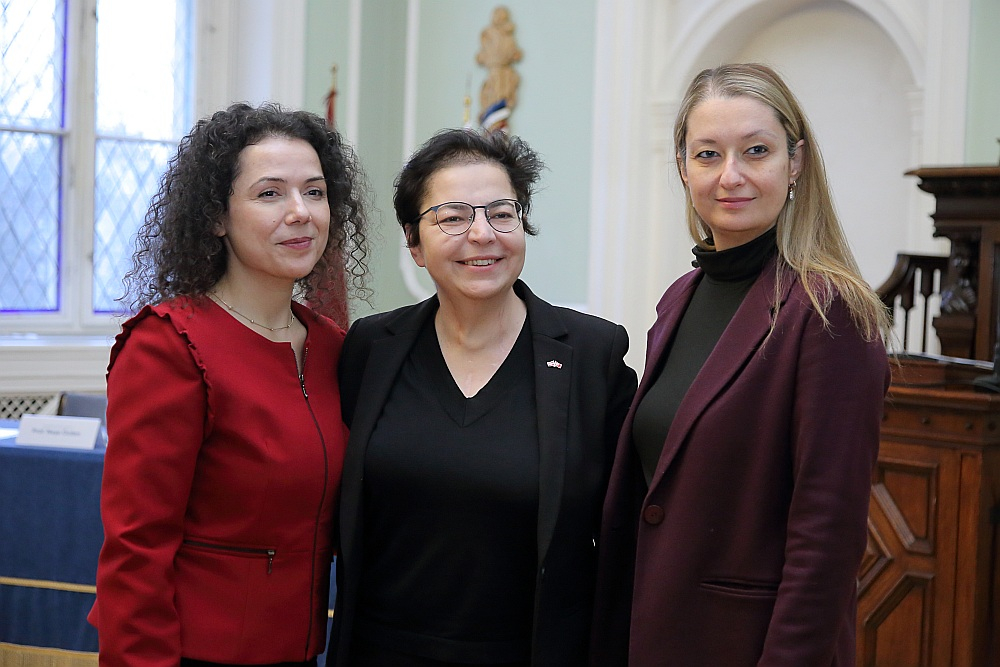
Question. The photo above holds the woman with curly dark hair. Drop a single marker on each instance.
(225, 439)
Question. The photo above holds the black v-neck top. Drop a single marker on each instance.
(450, 512)
(729, 274)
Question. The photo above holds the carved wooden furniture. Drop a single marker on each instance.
(968, 213)
(929, 585)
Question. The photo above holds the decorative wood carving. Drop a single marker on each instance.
(929, 584)
(968, 213)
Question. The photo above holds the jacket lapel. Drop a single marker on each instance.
(668, 315)
(553, 364)
(389, 349)
(740, 340)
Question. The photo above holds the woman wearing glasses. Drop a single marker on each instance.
(483, 422)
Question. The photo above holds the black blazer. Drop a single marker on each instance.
(582, 390)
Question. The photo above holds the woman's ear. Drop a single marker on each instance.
(795, 163)
(416, 252)
(418, 255)
(682, 169)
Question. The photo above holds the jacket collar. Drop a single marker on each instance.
(746, 332)
(543, 316)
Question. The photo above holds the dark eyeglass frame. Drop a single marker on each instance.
(518, 210)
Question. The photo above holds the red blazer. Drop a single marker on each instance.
(745, 548)
(219, 487)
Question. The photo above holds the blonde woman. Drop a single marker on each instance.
(735, 520)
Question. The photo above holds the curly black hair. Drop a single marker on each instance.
(177, 251)
(464, 146)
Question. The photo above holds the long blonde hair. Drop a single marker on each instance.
(810, 238)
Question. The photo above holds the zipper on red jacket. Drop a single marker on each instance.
(240, 550)
(322, 498)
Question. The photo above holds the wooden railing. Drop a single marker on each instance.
(910, 293)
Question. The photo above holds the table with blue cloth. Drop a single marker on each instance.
(50, 538)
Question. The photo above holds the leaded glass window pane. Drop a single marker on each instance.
(143, 78)
(32, 45)
(144, 103)
(132, 170)
(29, 222)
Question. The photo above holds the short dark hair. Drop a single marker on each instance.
(177, 251)
(464, 146)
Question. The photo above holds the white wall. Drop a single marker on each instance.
(864, 106)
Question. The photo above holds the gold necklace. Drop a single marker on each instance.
(251, 321)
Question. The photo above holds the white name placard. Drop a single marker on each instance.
(57, 431)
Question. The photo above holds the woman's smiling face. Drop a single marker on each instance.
(278, 221)
(482, 263)
(736, 167)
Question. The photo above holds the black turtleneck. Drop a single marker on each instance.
(728, 275)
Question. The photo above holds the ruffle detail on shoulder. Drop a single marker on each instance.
(176, 313)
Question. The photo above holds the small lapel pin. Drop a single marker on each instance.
(553, 364)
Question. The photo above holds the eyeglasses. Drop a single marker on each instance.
(456, 217)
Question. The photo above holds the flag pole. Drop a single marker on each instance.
(331, 99)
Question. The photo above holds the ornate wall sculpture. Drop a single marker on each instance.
(497, 53)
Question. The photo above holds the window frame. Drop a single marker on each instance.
(240, 53)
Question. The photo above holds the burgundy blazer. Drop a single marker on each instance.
(745, 548)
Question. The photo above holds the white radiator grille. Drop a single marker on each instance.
(12, 406)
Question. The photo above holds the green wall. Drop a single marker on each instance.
(982, 132)
(379, 135)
